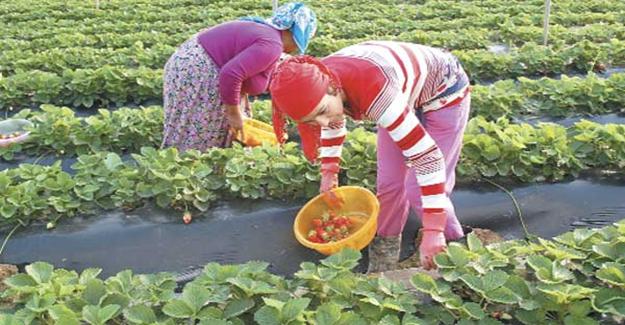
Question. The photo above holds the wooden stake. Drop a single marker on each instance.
(546, 21)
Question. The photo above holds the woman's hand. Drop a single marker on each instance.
(235, 120)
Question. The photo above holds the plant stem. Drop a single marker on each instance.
(36, 162)
(528, 236)
(7, 238)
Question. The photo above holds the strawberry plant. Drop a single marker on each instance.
(539, 282)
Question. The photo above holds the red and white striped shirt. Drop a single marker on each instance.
(386, 82)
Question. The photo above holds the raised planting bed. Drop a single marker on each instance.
(575, 278)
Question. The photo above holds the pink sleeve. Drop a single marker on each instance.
(255, 59)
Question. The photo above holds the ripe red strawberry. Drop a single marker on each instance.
(317, 223)
(186, 217)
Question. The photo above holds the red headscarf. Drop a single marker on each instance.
(297, 86)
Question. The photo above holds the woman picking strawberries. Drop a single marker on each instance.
(389, 83)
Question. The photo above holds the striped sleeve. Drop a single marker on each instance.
(332, 138)
(419, 149)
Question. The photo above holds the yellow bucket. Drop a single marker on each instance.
(359, 204)
(256, 133)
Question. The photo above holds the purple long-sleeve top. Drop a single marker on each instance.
(246, 53)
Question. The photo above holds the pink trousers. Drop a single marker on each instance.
(397, 187)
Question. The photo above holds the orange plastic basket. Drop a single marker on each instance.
(256, 133)
(360, 205)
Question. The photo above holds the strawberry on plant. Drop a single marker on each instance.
(186, 217)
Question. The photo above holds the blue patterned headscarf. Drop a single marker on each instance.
(295, 17)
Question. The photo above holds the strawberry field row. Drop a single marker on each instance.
(152, 49)
(111, 85)
(576, 278)
(499, 149)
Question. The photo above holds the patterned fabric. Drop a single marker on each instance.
(297, 18)
(386, 82)
(194, 117)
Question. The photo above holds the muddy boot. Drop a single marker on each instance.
(384, 254)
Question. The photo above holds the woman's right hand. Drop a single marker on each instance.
(235, 119)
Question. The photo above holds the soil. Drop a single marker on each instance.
(6, 271)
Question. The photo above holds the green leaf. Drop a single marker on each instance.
(196, 296)
(502, 295)
(531, 317)
(473, 310)
(390, 320)
(612, 273)
(518, 285)
(458, 254)
(580, 308)
(88, 274)
(40, 271)
(214, 321)
(140, 314)
(178, 309)
(491, 152)
(494, 279)
(294, 308)
(94, 291)
(277, 304)
(115, 299)
(99, 316)
(613, 251)
(39, 304)
(10, 320)
(267, 316)
(410, 319)
(423, 282)
(577, 320)
(538, 262)
(107, 312)
(346, 259)
(610, 300)
(20, 280)
(328, 314)
(474, 243)
(473, 282)
(210, 313)
(58, 312)
(237, 307)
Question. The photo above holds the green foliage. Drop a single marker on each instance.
(501, 283)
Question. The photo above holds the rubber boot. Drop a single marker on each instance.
(384, 254)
